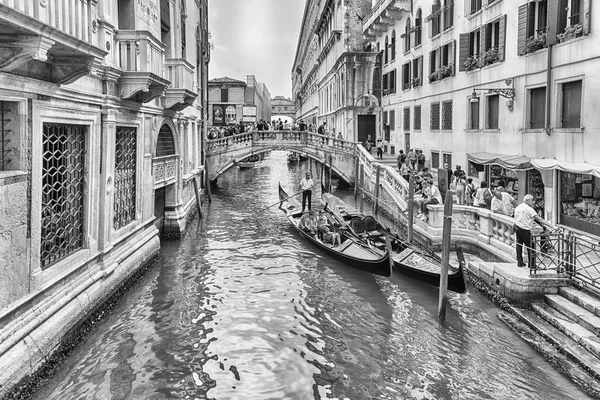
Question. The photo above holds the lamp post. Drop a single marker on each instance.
(508, 93)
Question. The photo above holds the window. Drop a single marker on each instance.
(418, 27)
(470, 45)
(125, 174)
(406, 119)
(473, 122)
(435, 159)
(571, 105)
(385, 118)
(393, 45)
(448, 14)
(447, 115)
(441, 62)
(406, 79)
(385, 84)
(435, 117)
(435, 19)
(224, 95)
(473, 6)
(392, 120)
(493, 108)
(183, 17)
(566, 19)
(392, 79)
(493, 37)
(447, 159)
(407, 36)
(63, 174)
(386, 51)
(9, 136)
(417, 118)
(417, 72)
(165, 146)
(537, 108)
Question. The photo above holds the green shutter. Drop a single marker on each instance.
(502, 38)
(557, 19)
(522, 30)
(463, 53)
(587, 16)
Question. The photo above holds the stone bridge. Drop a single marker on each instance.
(224, 153)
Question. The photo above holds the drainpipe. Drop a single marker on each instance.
(548, 88)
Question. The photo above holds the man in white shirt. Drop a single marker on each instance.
(306, 185)
(502, 203)
(525, 216)
(433, 197)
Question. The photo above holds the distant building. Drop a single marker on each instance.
(231, 101)
(280, 107)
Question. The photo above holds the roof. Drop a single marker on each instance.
(226, 79)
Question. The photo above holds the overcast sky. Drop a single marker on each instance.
(255, 37)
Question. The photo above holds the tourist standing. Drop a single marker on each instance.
(525, 216)
(412, 158)
(368, 144)
(420, 160)
(401, 159)
(379, 148)
(322, 130)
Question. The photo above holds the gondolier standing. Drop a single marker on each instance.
(306, 185)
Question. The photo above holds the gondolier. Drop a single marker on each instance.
(306, 185)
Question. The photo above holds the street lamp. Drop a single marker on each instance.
(508, 93)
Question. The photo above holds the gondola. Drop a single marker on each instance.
(408, 260)
(245, 165)
(293, 157)
(352, 252)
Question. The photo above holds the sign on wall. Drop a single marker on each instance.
(249, 114)
(218, 114)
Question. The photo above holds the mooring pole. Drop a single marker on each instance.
(377, 189)
(446, 234)
(356, 175)
(197, 191)
(207, 179)
(411, 202)
(362, 187)
(330, 169)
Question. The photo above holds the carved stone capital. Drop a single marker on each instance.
(17, 50)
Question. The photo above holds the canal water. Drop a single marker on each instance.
(243, 308)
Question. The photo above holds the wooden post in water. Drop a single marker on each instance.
(330, 169)
(356, 174)
(377, 189)
(207, 185)
(362, 187)
(411, 202)
(197, 191)
(446, 235)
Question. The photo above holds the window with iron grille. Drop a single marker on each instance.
(435, 116)
(8, 114)
(435, 159)
(417, 123)
(447, 115)
(125, 173)
(63, 162)
(406, 119)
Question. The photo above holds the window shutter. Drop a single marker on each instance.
(421, 69)
(434, 20)
(452, 57)
(522, 35)
(482, 39)
(502, 38)
(438, 58)
(464, 50)
(431, 61)
(587, 16)
(557, 16)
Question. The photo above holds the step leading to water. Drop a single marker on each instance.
(575, 312)
(581, 298)
(580, 335)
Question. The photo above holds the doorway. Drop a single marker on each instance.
(159, 210)
(366, 126)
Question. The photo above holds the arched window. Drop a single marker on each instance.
(165, 146)
(407, 36)
(393, 45)
(418, 27)
(385, 51)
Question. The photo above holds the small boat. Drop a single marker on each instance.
(303, 157)
(352, 251)
(245, 165)
(293, 157)
(408, 260)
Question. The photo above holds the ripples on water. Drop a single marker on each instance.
(242, 308)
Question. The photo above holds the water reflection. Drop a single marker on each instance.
(242, 308)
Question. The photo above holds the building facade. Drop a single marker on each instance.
(232, 101)
(504, 89)
(102, 118)
(282, 107)
(332, 73)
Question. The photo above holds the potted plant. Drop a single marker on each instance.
(433, 76)
(570, 32)
(445, 71)
(490, 56)
(415, 82)
(472, 63)
(536, 42)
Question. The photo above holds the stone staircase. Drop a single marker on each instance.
(570, 320)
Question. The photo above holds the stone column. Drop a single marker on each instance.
(106, 178)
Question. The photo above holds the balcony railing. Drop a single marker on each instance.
(139, 51)
(180, 73)
(164, 170)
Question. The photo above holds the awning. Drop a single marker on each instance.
(546, 164)
(518, 163)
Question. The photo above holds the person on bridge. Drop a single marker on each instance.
(525, 216)
(379, 148)
(322, 128)
(368, 144)
(306, 185)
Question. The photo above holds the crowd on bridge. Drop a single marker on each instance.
(218, 132)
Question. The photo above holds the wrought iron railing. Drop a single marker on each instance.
(125, 176)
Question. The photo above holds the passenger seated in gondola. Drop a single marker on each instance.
(308, 223)
(325, 228)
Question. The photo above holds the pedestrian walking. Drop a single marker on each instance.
(525, 216)
(379, 148)
(368, 144)
(412, 158)
(401, 159)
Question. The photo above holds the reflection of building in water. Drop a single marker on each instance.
(101, 138)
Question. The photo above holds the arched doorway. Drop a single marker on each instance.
(164, 165)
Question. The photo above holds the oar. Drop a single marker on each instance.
(280, 201)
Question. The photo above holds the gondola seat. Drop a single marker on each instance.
(371, 227)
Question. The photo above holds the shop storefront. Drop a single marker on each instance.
(517, 173)
(577, 193)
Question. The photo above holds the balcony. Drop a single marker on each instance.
(164, 170)
(384, 13)
(48, 41)
(141, 57)
(181, 74)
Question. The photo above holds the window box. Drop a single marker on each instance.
(490, 56)
(406, 86)
(472, 63)
(442, 72)
(535, 43)
(571, 32)
(416, 82)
